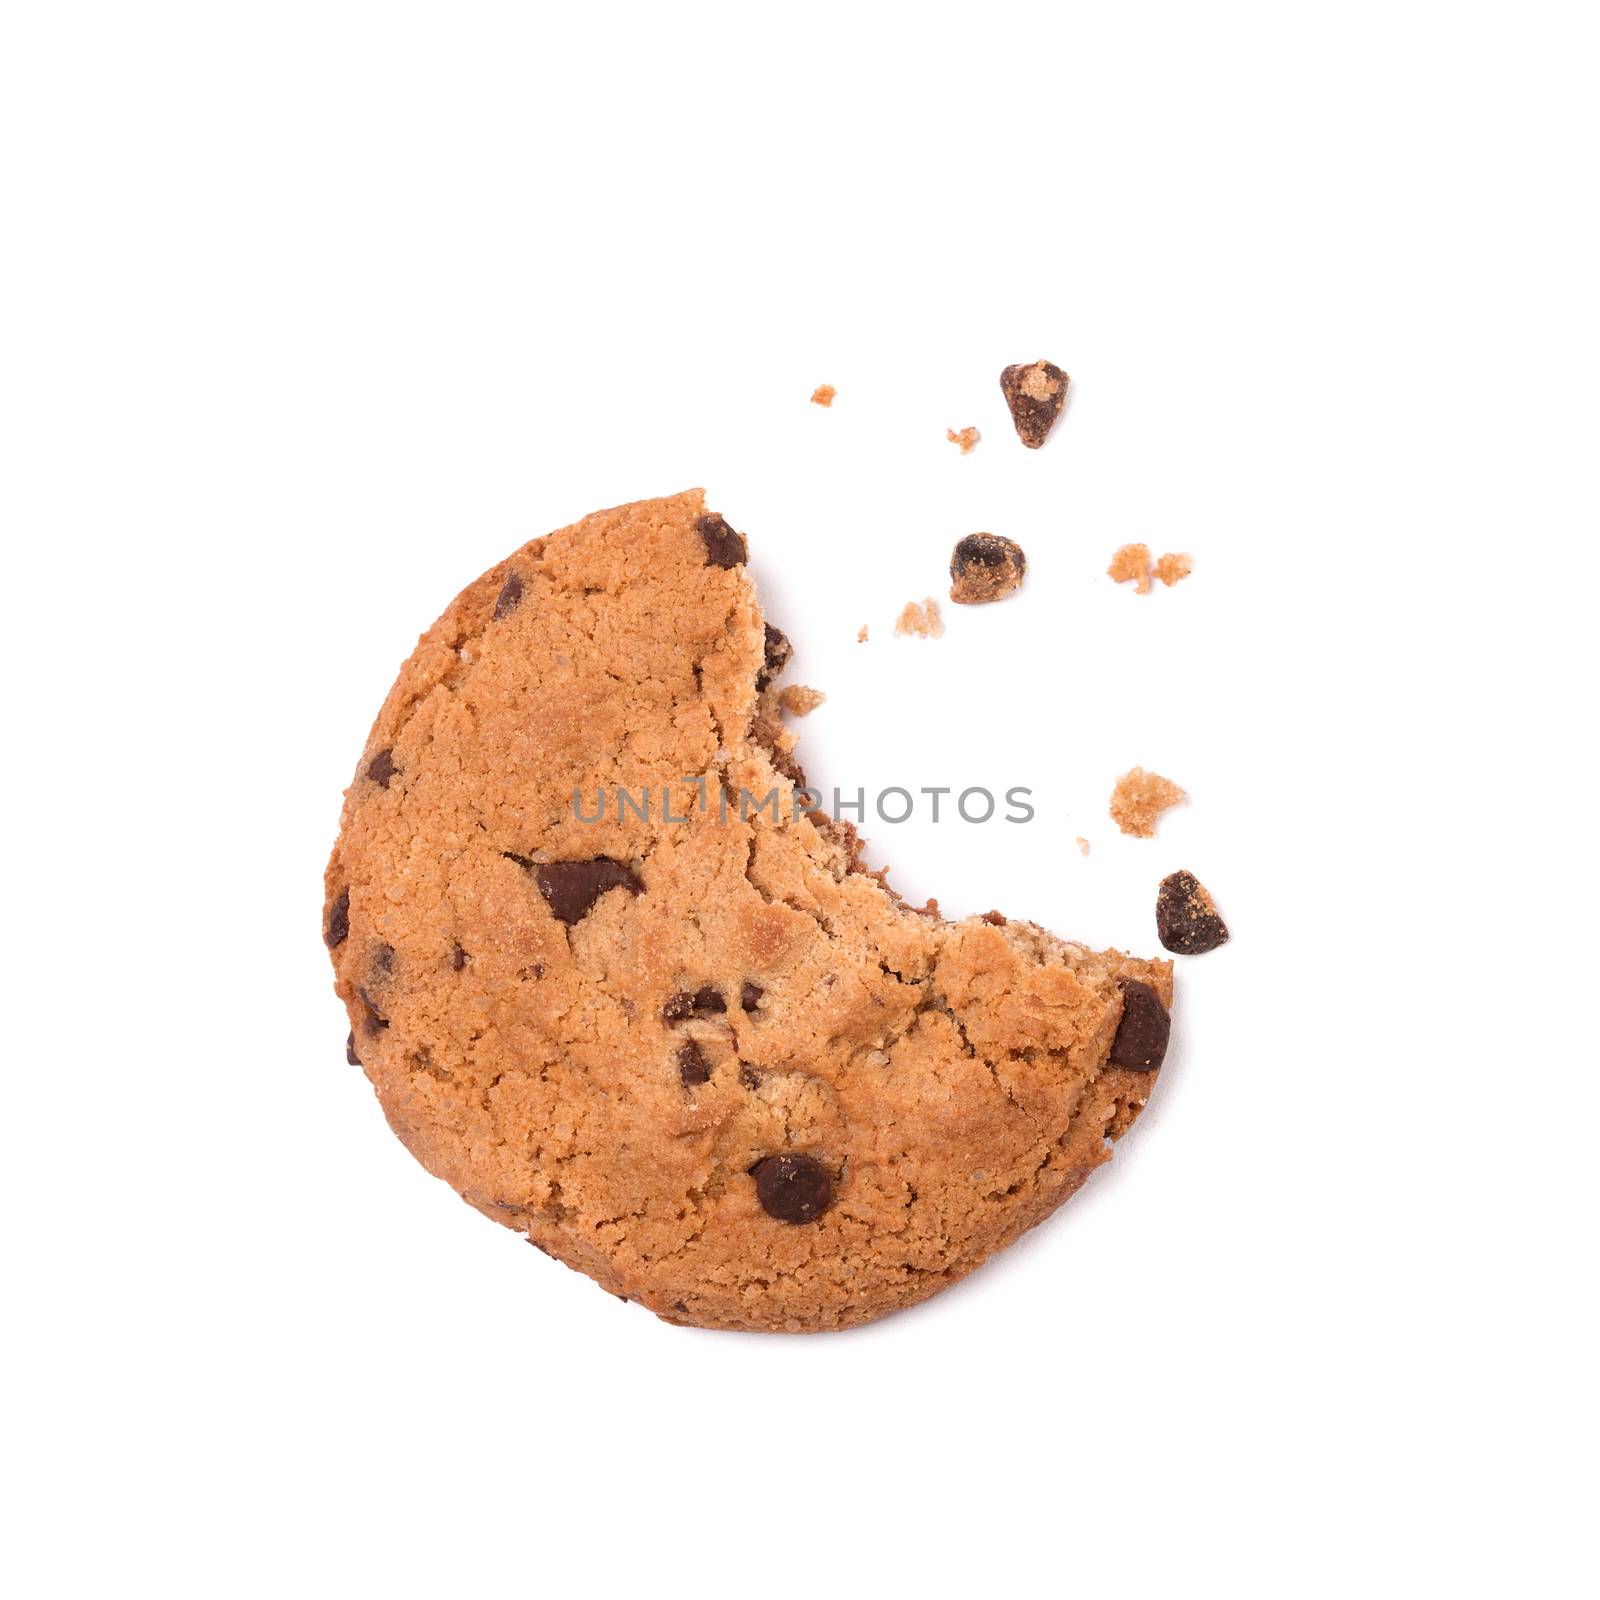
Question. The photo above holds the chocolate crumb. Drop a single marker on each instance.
(1187, 922)
(509, 598)
(458, 958)
(725, 546)
(749, 1077)
(338, 929)
(778, 650)
(985, 567)
(382, 768)
(693, 1068)
(1035, 393)
(350, 1049)
(750, 996)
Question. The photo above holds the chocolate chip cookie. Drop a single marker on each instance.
(620, 981)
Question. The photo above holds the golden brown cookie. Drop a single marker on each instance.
(705, 1058)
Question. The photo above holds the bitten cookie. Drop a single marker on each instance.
(704, 1057)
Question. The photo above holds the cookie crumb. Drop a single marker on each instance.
(1131, 564)
(966, 438)
(985, 567)
(823, 394)
(1139, 799)
(861, 638)
(1083, 845)
(922, 620)
(1035, 393)
(1171, 568)
(799, 700)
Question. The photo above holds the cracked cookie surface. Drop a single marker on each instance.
(703, 1057)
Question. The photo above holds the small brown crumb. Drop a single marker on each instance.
(799, 700)
(1171, 569)
(966, 438)
(823, 394)
(1131, 564)
(861, 638)
(921, 620)
(1139, 799)
(1035, 393)
(985, 567)
(1083, 845)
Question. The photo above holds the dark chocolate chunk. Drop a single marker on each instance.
(350, 1049)
(693, 1067)
(985, 567)
(778, 651)
(750, 996)
(382, 768)
(1035, 393)
(708, 1001)
(509, 598)
(1141, 1040)
(338, 921)
(1186, 916)
(458, 958)
(570, 888)
(792, 1187)
(725, 547)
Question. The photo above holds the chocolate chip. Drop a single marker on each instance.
(725, 547)
(792, 1188)
(570, 888)
(350, 1049)
(1186, 916)
(749, 1077)
(693, 1067)
(993, 918)
(383, 960)
(775, 659)
(985, 567)
(338, 921)
(510, 596)
(458, 958)
(706, 1001)
(1035, 393)
(1141, 1040)
(375, 1021)
(382, 768)
(750, 996)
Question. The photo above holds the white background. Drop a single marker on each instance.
(312, 312)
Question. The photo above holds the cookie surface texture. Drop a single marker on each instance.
(703, 1057)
